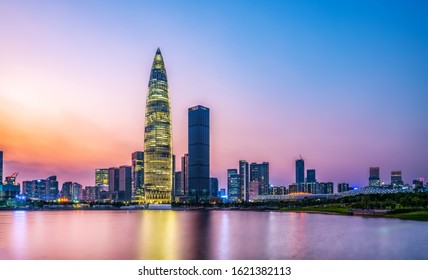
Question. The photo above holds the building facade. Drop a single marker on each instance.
(185, 174)
(396, 179)
(300, 173)
(138, 176)
(213, 187)
(233, 185)
(260, 172)
(113, 179)
(199, 153)
(158, 136)
(244, 179)
(374, 178)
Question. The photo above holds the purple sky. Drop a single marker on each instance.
(342, 84)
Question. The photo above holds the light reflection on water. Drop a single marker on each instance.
(206, 235)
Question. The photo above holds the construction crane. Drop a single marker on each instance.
(11, 180)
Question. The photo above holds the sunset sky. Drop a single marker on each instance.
(343, 83)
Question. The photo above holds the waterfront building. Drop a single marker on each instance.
(185, 174)
(113, 179)
(199, 153)
(125, 183)
(44, 189)
(71, 190)
(343, 187)
(244, 179)
(222, 193)
(9, 189)
(178, 190)
(253, 190)
(374, 179)
(293, 188)
(27, 188)
(233, 185)
(396, 179)
(101, 177)
(52, 189)
(310, 176)
(260, 172)
(91, 193)
(278, 190)
(300, 173)
(213, 187)
(158, 136)
(326, 188)
(137, 176)
(309, 187)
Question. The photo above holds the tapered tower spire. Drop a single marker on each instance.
(158, 136)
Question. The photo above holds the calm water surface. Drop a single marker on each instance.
(206, 235)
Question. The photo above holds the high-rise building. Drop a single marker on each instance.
(343, 187)
(91, 193)
(178, 190)
(253, 190)
(158, 136)
(293, 188)
(113, 179)
(310, 176)
(260, 172)
(1, 167)
(138, 176)
(173, 176)
(233, 185)
(374, 179)
(326, 187)
(396, 179)
(52, 189)
(185, 174)
(27, 188)
(213, 187)
(125, 183)
(199, 153)
(300, 173)
(244, 179)
(71, 190)
(101, 177)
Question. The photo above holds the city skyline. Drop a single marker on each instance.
(345, 96)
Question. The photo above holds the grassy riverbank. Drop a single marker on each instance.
(405, 214)
(327, 209)
(412, 215)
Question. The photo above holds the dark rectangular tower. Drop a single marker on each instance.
(310, 176)
(125, 183)
(300, 173)
(260, 172)
(185, 174)
(138, 175)
(244, 179)
(199, 153)
(374, 179)
(113, 179)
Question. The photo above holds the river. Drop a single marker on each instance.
(186, 235)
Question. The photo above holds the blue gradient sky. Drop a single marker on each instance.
(343, 83)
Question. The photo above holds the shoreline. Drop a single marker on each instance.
(410, 215)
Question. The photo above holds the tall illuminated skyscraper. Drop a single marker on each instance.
(158, 136)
